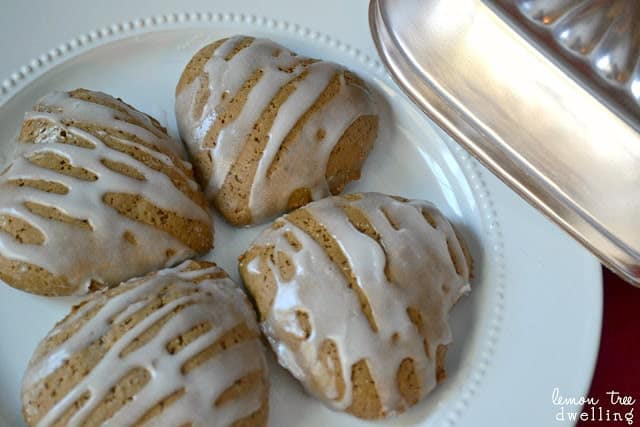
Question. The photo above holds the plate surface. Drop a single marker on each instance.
(530, 277)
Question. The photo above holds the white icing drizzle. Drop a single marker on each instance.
(218, 301)
(421, 269)
(306, 161)
(102, 254)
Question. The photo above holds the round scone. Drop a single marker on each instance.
(97, 193)
(268, 130)
(354, 294)
(177, 347)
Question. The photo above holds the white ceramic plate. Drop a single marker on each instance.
(532, 322)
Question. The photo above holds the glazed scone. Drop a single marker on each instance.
(354, 294)
(97, 193)
(177, 347)
(268, 130)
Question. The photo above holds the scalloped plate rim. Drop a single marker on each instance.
(40, 66)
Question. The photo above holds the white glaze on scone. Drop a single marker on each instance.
(210, 296)
(226, 77)
(100, 253)
(420, 264)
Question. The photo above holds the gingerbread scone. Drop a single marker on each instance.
(268, 130)
(178, 347)
(97, 193)
(354, 294)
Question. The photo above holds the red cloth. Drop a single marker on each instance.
(618, 366)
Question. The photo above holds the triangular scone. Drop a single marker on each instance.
(354, 294)
(177, 347)
(97, 193)
(269, 130)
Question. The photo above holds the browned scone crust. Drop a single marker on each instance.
(354, 292)
(268, 130)
(97, 193)
(177, 347)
